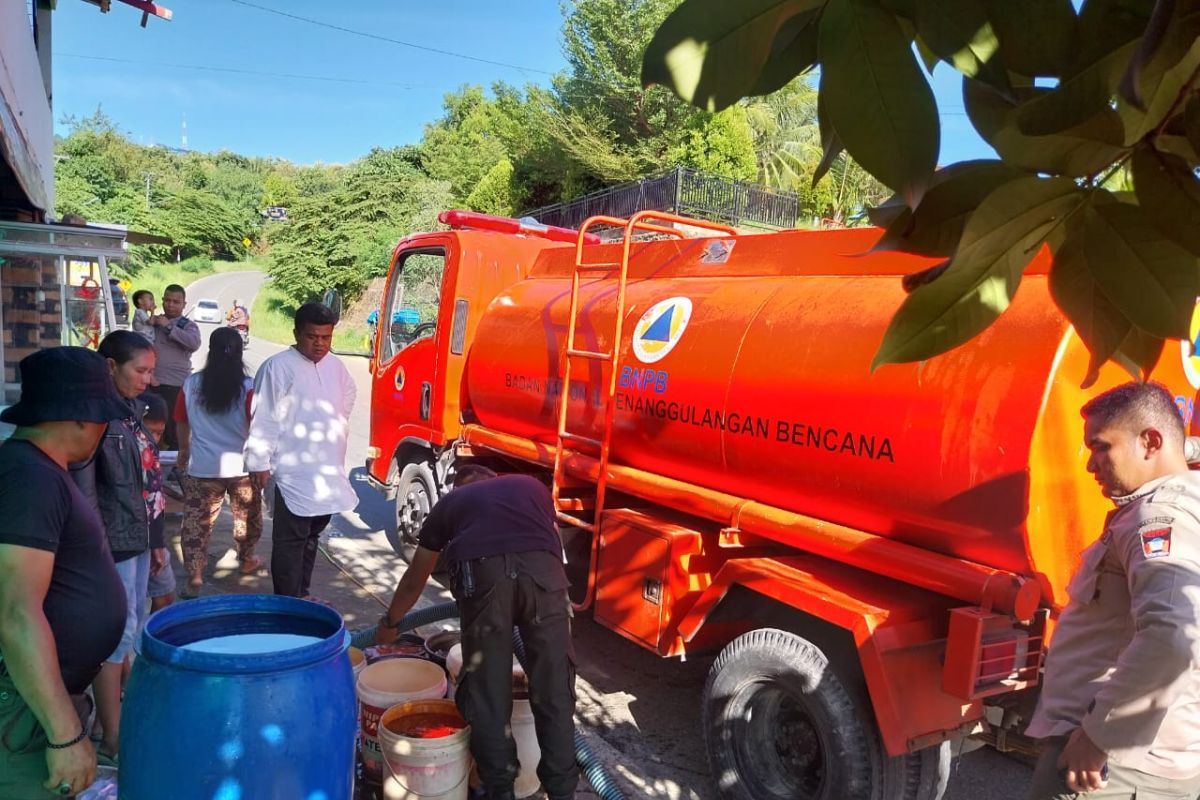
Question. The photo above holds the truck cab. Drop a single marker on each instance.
(439, 284)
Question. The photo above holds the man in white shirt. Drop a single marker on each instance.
(299, 421)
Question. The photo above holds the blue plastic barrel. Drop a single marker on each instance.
(275, 725)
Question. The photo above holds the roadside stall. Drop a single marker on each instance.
(54, 290)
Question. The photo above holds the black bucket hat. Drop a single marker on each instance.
(65, 383)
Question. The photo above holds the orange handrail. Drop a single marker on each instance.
(638, 221)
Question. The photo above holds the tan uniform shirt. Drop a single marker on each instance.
(1125, 659)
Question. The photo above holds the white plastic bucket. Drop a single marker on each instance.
(528, 751)
(529, 754)
(358, 661)
(454, 667)
(424, 769)
(387, 683)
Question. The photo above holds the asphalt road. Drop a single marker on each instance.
(225, 288)
(640, 713)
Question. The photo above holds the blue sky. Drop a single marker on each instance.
(385, 93)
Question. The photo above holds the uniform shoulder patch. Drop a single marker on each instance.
(1156, 541)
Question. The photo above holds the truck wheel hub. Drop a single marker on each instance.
(411, 509)
(783, 748)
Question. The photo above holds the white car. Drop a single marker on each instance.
(207, 311)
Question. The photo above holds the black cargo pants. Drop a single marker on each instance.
(528, 591)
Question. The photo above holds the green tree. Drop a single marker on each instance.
(493, 194)
(198, 223)
(279, 189)
(206, 202)
(464, 145)
(343, 238)
(787, 142)
(722, 144)
(238, 183)
(318, 178)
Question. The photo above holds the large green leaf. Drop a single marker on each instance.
(831, 143)
(1099, 323)
(1000, 239)
(937, 224)
(1080, 151)
(711, 52)
(1178, 146)
(1153, 37)
(902, 8)
(1169, 191)
(889, 212)
(929, 58)
(961, 35)
(1105, 25)
(1139, 353)
(794, 52)
(1153, 281)
(833, 148)
(1191, 122)
(876, 96)
(1166, 75)
(1036, 36)
(1076, 99)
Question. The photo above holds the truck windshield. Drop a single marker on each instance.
(411, 310)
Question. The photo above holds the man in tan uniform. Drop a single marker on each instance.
(1120, 703)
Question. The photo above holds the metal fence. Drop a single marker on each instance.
(681, 191)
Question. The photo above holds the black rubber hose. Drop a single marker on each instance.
(414, 619)
(590, 767)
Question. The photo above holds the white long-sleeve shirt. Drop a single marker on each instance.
(299, 421)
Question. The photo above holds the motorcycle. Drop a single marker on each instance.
(244, 330)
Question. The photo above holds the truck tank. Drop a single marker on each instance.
(745, 366)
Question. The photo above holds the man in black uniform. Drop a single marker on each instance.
(500, 544)
(62, 606)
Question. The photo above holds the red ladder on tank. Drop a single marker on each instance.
(568, 508)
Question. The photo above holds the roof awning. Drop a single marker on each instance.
(131, 236)
(137, 237)
(147, 8)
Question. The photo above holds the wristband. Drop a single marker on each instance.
(82, 735)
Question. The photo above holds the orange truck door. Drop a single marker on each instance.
(411, 333)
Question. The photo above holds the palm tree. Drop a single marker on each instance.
(787, 142)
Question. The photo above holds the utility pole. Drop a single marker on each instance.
(148, 176)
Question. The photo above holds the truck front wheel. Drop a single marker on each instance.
(780, 725)
(415, 495)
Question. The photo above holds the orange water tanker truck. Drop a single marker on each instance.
(877, 556)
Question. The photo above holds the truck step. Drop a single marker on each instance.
(576, 503)
(592, 354)
(575, 438)
(575, 521)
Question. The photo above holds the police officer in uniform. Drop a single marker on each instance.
(498, 538)
(1120, 701)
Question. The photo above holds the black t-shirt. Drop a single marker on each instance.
(41, 508)
(505, 514)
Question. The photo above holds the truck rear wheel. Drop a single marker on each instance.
(780, 725)
(415, 495)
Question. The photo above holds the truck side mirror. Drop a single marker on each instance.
(333, 299)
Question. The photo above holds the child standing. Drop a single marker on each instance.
(162, 577)
(143, 301)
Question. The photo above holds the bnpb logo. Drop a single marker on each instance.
(660, 329)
